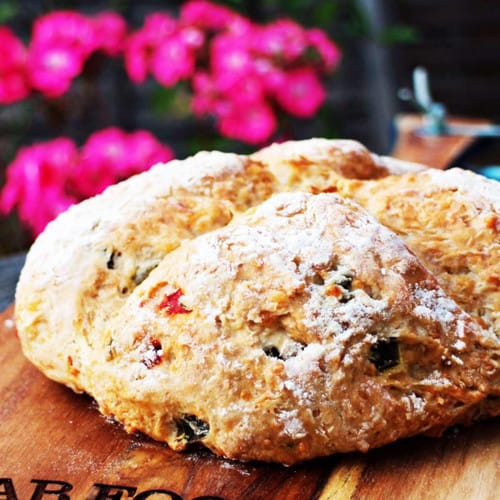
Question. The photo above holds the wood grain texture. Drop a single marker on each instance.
(49, 433)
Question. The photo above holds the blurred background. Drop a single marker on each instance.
(379, 43)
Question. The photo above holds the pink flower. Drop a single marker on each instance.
(13, 87)
(46, 178)
(14, 84)
(65, 28)
(137, 57)
(59, 157)
(14, 52)
(172, 61)
(207, 15)
(36, 182)
(192, 37)
(60, 43)
(53, 67)
(145, 151)
(240, 26)
(271, 76)
(110, 30)
(230, 60)
(210, 96)
(251, 124)
(329, 52)
(140, 46)
(111, 154)
(282, 40)
(104, 158)
(205, 94)
(302, 94)
(159, 25)
(246, 92)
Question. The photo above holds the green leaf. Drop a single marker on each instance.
(7, 11)
(174, 101)
(398, 33)
(162, 98)
(325, 13)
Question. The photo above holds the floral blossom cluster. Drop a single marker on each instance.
(46, 178)
(60, 43)
(241, 73)
(244, 75)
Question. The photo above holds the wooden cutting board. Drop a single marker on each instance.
(54, 444)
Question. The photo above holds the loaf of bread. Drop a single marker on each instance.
(246, 304)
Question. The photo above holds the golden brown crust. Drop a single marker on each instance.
(451, 220)
(138, 298)
(301, 329)
(82, 268)
(317, 164)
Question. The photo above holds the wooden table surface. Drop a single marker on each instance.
(54, 444)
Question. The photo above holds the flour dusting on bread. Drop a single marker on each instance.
(308, 299)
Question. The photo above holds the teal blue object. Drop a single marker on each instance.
(491, 171)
